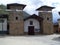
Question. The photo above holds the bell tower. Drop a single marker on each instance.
(16, 23)
(46, 13)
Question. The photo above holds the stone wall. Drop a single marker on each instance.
(16, 25)
(47, 22)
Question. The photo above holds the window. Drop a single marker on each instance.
(16, 18)
(1, 20)
(47, 18)
(31, 22)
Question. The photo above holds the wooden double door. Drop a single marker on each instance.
(31, 30)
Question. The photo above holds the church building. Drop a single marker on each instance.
(14, 23)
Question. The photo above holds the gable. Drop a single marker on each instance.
(34, 17)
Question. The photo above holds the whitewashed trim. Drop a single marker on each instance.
(44, 11)
(14, 10)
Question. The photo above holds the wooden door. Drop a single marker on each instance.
(31, 30)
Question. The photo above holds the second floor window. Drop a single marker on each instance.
(31, 22)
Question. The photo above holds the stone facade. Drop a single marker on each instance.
(58, 25)
(55, 28)
(16, 19)
(46, 13)
(16, 22)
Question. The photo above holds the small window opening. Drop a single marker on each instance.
(16, 18)
(31, 22)
(47, 18)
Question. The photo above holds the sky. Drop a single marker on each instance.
(32, 5)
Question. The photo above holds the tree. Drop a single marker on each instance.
(3, 9)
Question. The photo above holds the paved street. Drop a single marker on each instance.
(30, 40)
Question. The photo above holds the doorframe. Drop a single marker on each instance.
(33, 30)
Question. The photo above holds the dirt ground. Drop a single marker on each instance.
(31, 40)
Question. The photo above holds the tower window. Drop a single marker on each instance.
(47, 18)
(31, 22)
(16, 18)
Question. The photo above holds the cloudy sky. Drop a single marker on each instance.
(32, 5)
